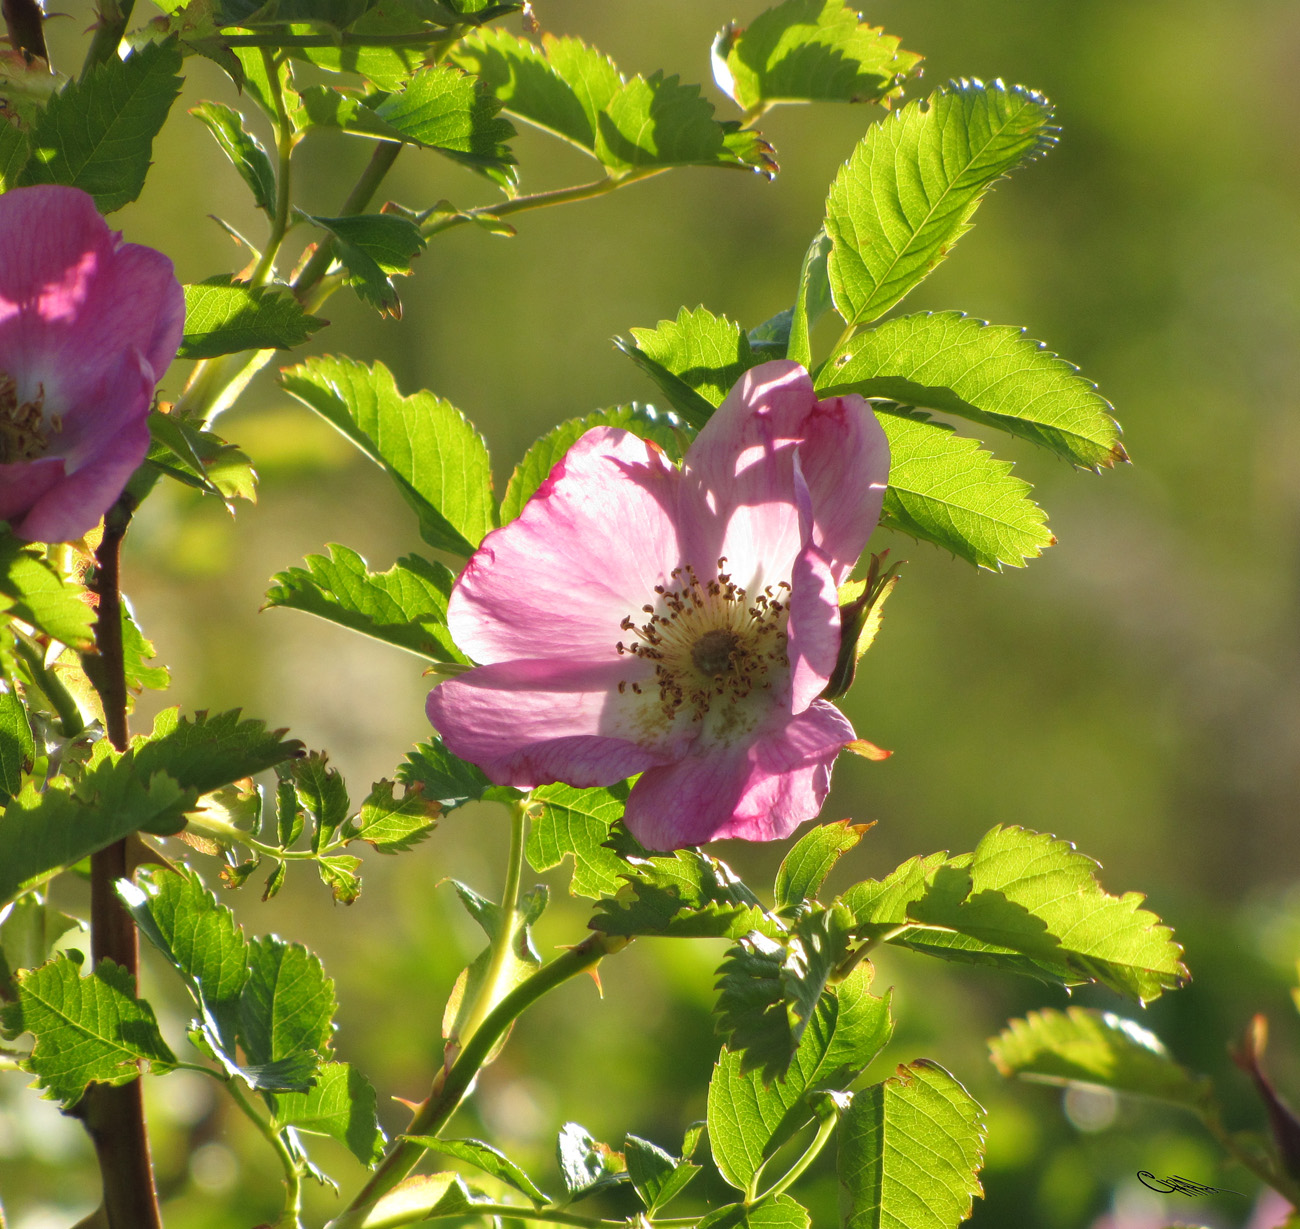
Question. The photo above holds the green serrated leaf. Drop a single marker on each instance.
(225, 317)
(1027, 902)
(694, 409)
(804, 869)
(40, 596)
(808, 51)
(444, 778)
(658, 1177)
(685, 894)
(446, 109)
(586, 1165)
(387, 67)
(137, 652)
(405, 606)
(286, 1014)
(202, 941)
(322, 794)
(338, 872)
(629, 126)
(87, 1029)
(910, 1151)
(990, 374)
(44, 831)
(749, 1119)
(97, 133)
(661, 427)
(780, 1212)
(577, 822)
(340, 1105)
(15, 149)
(16, 743)
(28, 933)
(1082, 1046)
(207, 751)
(708, 353)
(769, 988)
(486, 1158)
(200, 459)
(392, 825)
(944, 489)
(246, 153)
(373, 249)
(907, 193)
(812, 301)
(439, 461)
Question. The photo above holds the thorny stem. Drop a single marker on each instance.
(451, 1084)
(113, 16)
(114, 1116)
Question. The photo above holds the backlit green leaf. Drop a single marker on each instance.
(223, 317)
(907, 193)
(390, 824)
(808, 51)
(577, 822)
(1027, 902)
(87, 1029)
(340, 1105)
(804, 869)
(199, 459)
(488, 1159)
(207, 751)
(322, 794)
(629, 126)
(750, 1119)
(910, 1151)
(14, 151)
(812, 301)
(1095, 1047)
(661, 427)
(97, 133)
(446, 109)
(373, 249)
(586, 1165)
(200, 938)
(16, 743)
(405, 606)
(285, 1012)
(658, 1177)
(245, 151)
(439, 461)
(707, 352)
(41, 597)
(990, 374)
(443, 777)
(781, 1212)
(944, 489)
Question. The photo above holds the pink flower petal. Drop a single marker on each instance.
(813, 631)
(528, 723)
(74, 298)
(22, 483)
(759, 792)
(844, 457)
(586, 552)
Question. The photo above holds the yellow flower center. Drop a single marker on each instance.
(709, 639)
(23, 423)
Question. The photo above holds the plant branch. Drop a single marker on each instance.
(292, 1170)
(71, 721)
(109, 29)
(825, 1130)
(451, 1084)
(114, 1116)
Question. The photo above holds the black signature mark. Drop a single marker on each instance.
(1172, 1184)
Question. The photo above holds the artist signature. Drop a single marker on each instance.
(1172, 1184)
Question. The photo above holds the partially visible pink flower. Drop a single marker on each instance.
(677, 623)
(88, 325)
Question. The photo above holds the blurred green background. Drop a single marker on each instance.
(1136, 690)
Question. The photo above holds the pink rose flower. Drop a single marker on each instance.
(88, 325)
(677, 623)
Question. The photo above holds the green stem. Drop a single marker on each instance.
(381, 162)
(490, 991)
(824, 1132)
(539, 200)
(71, 721)
(292, 1172)
(284, 141)
(450, 1085)
(113, 16)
